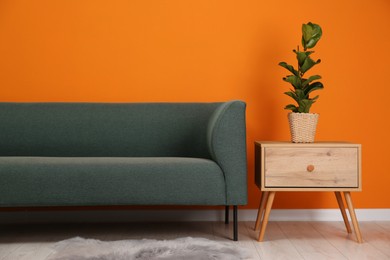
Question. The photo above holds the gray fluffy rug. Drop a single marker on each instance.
(182, 248)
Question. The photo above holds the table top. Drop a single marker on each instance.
(315, 144)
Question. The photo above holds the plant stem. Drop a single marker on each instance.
(299, 67)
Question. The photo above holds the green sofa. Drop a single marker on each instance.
(90, 154)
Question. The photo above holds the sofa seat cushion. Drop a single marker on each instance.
(91, 181)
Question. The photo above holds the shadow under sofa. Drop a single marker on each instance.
(107, 154)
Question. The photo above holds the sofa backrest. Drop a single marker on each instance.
(105, 129)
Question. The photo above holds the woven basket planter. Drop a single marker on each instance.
(303, 127)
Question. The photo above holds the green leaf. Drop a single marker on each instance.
(308, 64)
(289, 68)
(304, 105)
(293, 80)
(310, 79)
(291, 107)
(311, 34)
(300, 94)
(292, 94)
(314, 98)
(301, 56)
(313, 86)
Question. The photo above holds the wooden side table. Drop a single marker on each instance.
(322, 166)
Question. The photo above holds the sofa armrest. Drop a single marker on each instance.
(227, 146)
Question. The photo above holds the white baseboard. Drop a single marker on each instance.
(184, 215)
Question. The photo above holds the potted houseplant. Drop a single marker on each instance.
(303, 123)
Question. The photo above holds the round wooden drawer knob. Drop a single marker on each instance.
(310, 168)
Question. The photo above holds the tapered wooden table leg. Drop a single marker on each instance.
(342, 209)
(264, 196)
(351, 210)
(268, 207)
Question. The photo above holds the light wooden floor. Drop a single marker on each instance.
(283, 240)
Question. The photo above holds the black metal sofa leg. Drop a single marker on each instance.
(235, 224)
(235, 221)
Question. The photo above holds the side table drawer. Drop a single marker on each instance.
(314, 167)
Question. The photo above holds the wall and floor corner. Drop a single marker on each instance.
(184, 51)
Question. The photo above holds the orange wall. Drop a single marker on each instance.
(204, 50)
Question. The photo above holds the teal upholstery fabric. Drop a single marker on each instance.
(56, 181)
(93, 129)
(227, 146)
(122, 154)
